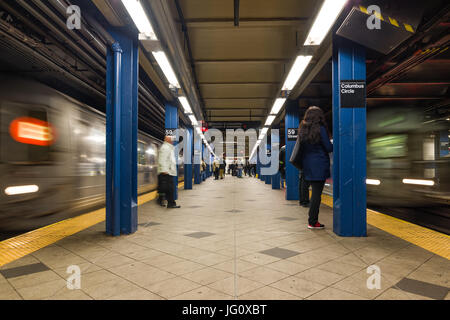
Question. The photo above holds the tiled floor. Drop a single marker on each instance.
(232, 239)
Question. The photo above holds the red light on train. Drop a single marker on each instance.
(32, 131)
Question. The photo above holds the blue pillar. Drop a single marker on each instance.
(122, 77)
(171, 122)
(188, 159)
(258, 164)
(276, 183)
(349, 137)
(291, 122)
(197, 159)
(268, 178)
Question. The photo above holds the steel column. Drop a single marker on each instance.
(122, 78)
(349, 137)
(268, 178)
(291, 121)
(276, 178)
(197, 158)
(188, 159)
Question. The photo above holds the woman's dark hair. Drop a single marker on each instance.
(309, 129)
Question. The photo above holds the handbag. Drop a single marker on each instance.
(297, 157)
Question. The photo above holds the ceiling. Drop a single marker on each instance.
(240, 69)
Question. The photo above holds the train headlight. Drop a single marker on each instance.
(419, 182)
(374, 182)
(16, 190)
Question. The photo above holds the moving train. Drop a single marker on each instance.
(52, 156)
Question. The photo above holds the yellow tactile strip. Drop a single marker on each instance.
(24, 244)
(430, 240)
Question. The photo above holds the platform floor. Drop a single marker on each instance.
(232, 239)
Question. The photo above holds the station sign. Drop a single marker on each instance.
(353, 93)
(171, 132)
(292, 134)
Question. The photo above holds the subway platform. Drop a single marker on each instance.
(232, 239)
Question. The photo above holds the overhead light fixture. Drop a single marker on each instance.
(193, 119)
(296, 72)
(279, 103)
(185, 103)
(140, 19)
(270, 120)
(166, 68)
(12, 191)
(324, 21)
(374, 182)
(419, 182)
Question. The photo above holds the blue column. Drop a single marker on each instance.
(349, 137)
(291, 122)
(268, 178)
(258, 164)
(122, 76)
(171, 122)
(276, 178)
(197, 159)
(188, 159)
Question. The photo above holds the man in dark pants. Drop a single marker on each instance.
(303, 190)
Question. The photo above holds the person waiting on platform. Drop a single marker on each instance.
(167, 172)
(216, 165)
(222, 168)
(314, 147)
(281, 159)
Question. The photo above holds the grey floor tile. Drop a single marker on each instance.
(423, 288)
(280, 253)
(199, 235)
(24, 270)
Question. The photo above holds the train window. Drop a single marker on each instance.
(389, 146)
(90, 149)
(26, 135)
(141, 154)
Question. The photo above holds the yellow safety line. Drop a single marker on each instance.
(24, 244)
(430, 240)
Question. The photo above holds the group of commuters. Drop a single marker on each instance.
(310, 156)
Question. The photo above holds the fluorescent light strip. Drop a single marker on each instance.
(166, 68)
(279, 103)
(296, 72)
(324, 21)
(12, 191)
(193, 119)
(419, 182)
(270, 120)
(140, 19)
(185, 103)
(374, 182)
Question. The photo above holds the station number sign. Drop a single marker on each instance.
(292, 134)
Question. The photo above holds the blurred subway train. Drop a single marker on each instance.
(52, 156)
(408, 161)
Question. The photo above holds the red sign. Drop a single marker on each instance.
(32, 131)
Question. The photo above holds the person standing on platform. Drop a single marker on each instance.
(282, 166)
(216, 165)
(222, 168)
(303, 190)
(167, 171)
(315, 147)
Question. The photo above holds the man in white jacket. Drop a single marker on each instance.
(167, 171)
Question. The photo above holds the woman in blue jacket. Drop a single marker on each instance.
(315, 149)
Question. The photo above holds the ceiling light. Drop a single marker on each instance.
(140, 19)
(419, 182)
(324, 21)
(296, 72)
(193, 119)
(166, 68)
(185, 103)
(278, 105)
(270, 120)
